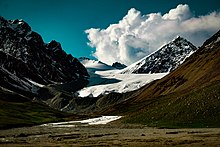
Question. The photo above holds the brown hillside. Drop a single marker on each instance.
(200, 70)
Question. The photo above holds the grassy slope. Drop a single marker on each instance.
(17, 110)
(14, 114)
(196, 109)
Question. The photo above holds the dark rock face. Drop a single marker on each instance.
(213, 40)
(24, 55)
(166, 59)
(118, 65)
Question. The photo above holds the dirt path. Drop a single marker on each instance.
(108, 135)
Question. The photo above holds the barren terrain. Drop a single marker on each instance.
(113, 134)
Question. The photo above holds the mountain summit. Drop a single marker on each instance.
(165, 59)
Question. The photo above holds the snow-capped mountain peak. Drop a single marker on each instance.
(165, 59)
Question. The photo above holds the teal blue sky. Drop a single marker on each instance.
(66, 20)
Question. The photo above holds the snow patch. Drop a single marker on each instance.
(92, 121)
(35, 83)
(123, 83)
(105, 79)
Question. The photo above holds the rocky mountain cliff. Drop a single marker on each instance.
(25, 57)
(165, 59)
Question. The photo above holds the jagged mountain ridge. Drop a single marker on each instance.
(25, 55)
(165, 59)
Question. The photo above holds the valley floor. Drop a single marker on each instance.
(113, 134)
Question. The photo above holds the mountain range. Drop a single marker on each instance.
(104, 79)
(177, 85)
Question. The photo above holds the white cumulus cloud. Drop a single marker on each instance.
(137, 35)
